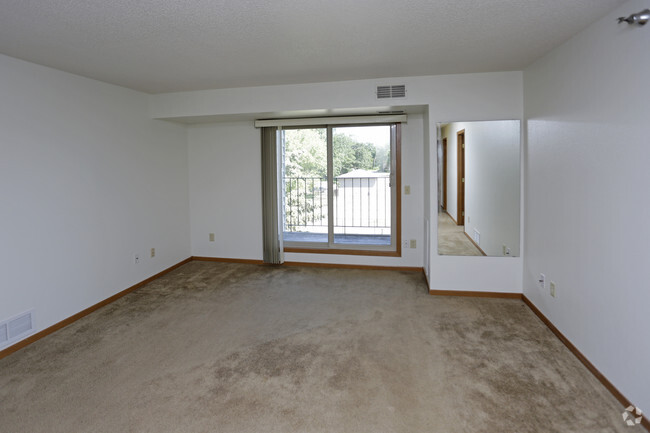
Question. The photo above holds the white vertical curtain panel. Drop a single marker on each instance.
(272, 224)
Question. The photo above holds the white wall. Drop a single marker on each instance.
(492, 181)
(87, 179)
(587, 207)
(226, 190)
(226, 194)
(471, 96)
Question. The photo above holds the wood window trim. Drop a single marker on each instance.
(398, 216)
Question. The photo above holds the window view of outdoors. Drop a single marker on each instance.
(361, 193)
(305, 185)
(362, 196)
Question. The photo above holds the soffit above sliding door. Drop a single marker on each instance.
(351, 120)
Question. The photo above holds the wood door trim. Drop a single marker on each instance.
(444, 173)
(460, 174)
(398, 188)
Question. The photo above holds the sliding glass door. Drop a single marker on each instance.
(305, 185)
(339, 187)
(362, 185)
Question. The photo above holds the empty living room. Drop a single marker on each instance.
(324, 217)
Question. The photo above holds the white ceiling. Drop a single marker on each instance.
(173, 45)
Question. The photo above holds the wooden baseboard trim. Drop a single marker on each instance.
(345, 266)
(65, 322)
(310, 264)
(227, 260)
(606, 383)
(474, 243)
(645, 422)
(474, 294)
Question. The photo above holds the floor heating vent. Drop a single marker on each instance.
(15, 328)
(4, 335)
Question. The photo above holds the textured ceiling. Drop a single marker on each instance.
(170, 45)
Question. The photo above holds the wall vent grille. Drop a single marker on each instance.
(4, 335)
(391, 92)
(15, 328)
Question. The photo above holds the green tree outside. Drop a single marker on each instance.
(305, 165)
(305, 154)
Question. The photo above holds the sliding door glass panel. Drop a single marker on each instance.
(305, 185)
(362, 202)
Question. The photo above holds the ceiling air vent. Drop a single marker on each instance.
(391, 92)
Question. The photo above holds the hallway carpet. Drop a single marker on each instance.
(215, 347)
(452, 240)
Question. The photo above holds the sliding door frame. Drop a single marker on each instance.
(394, 250)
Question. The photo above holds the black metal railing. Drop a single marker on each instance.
(305, 202)
(363, 202)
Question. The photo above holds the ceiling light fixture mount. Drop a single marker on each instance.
(639, 18)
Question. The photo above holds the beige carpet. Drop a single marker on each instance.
(452, 240)
(217, 347)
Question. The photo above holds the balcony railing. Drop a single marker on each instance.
(362, 205)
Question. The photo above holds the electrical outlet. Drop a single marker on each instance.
(413, 243)
(405, 243)
(552, 288)
(211, 237)
(153, 252)
(407, 189)
(136, 258)
(541, 281)
(504, 249)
